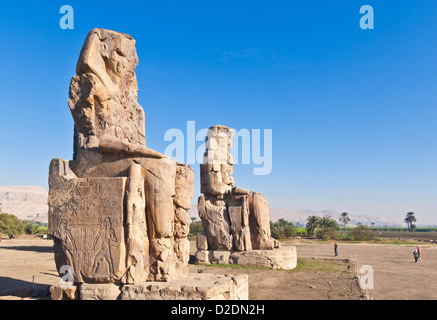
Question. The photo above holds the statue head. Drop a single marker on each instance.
(111, 56)
(103, 95)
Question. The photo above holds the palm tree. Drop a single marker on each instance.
(409, 219)
(327, 222)
(344, 218)
(312, 224)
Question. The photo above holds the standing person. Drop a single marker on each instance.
(336, 249)
(419, 250)
(416, 256)
(102, 245)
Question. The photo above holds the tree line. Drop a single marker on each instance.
(11, 226)
(327, 228)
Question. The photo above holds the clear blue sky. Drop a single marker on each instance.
(353, 112)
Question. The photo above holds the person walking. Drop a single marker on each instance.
(416, 256)
(336, 249)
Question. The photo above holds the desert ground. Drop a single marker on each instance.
(396, 276)
(29, 263)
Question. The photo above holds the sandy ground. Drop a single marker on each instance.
(396, 276)
(331, 280)
(29, 262)
(26, 263)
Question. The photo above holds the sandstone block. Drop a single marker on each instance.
(201, 241)
(284, 258)
(63, 293)
(202, 257)
(94, 291)
(86, 219)
(219, 256)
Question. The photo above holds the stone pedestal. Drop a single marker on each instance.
(193, 287)
(282, 258)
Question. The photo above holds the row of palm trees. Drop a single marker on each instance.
(327, 222)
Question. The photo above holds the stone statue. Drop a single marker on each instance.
(233, 218)
(118, 211)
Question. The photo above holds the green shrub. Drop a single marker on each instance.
(362, 233)
(282, 230)
(30, 228)
(42, 230)
(330, 234)
(11, 225)
(196, 227)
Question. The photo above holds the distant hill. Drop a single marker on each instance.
(25, 202)
(299, 217)
(30, 203)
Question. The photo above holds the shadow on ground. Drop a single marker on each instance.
(21, 288)
(30, 248)
(192, 259)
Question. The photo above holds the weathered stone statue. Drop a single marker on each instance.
(119, 211)
(233, 219)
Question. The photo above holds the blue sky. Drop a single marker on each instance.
(353, 112)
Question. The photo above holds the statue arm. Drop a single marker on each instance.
(108, 144)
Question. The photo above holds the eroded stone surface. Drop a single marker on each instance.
(103, 94)
(92, 291)
(192, 287)
(283, 258)
(86, 220)
(63, 293)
